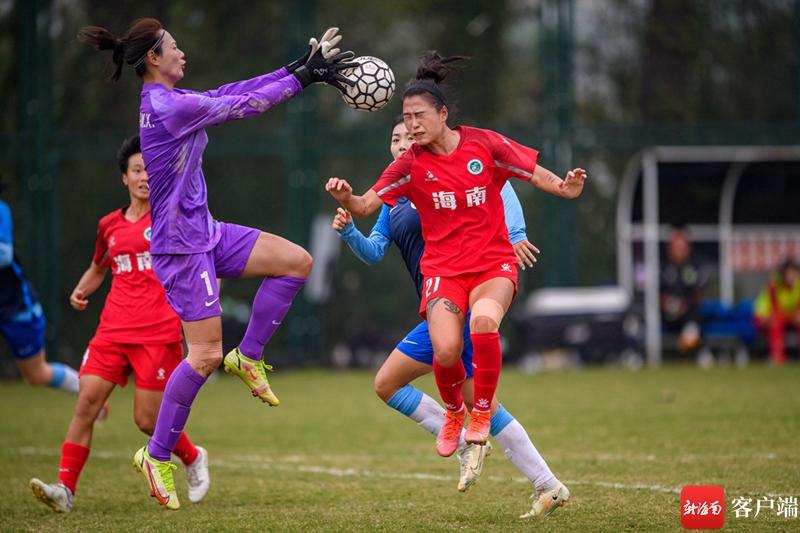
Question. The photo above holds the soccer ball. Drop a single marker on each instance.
(374, 84)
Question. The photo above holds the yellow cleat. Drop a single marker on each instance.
(159, 477)
(253, 373)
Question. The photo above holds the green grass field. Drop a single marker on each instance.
(332, 457)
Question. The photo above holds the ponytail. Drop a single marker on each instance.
(432, 70)
(102, 39)
(435, 67)
(144, 35)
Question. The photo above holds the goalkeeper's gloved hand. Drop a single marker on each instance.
(324, 67)
(330, 36)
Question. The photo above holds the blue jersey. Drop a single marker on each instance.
(401, 224)
(405, 230)
(16, 295)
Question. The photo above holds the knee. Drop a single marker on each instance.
(304, 264)
(146, 422)
(213, 360)
(448, 354)
(205, 358)
(483, 324)
(208, 363)
(87, 408)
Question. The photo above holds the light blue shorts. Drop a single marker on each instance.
(417, 345)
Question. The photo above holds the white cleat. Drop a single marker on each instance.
(471, 458)
(197, 476)
(55, 495)
(547, 502)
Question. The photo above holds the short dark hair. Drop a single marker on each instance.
(397, 120)
(130, 146)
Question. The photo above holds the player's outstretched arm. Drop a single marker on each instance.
(515, 223)
(570, 187)
(89, 282)
(369, 249)
(327, 42)
(360, 206)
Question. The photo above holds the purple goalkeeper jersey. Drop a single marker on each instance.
(172, 126)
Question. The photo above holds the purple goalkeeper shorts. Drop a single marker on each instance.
(191, 279)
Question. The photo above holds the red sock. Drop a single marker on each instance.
(73, 457)
(448, 381)
(487, 359)
(185, 450)
(777, 349)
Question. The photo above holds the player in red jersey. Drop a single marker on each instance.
(138, 332)
(454, 177)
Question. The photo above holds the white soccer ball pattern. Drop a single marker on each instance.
(374, 84)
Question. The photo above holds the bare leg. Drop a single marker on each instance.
(204, 338)
(37, 371)
(286, 267)
(91, 398)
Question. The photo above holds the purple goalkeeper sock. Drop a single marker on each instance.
(270, 305)
(182, 387)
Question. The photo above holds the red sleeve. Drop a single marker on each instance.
(100, 257)
(518, 160)
(394, 182)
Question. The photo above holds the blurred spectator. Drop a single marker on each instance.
(682, 285)
(777, 308)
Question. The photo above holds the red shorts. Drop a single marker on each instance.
(458, 288)
(152, 364)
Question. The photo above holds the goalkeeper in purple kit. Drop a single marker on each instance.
(190, 249)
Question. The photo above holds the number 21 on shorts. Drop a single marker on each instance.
(431, 286)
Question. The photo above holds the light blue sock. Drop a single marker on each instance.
(500, 420)
(64, 377)
(419, 407)
(406, 400)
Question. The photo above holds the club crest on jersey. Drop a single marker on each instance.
(475, 166)
(147, 233)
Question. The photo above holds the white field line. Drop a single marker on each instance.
(295, 463)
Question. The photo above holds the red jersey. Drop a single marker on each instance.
(136, 309)
(458, 199)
